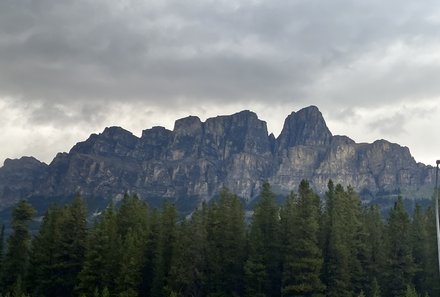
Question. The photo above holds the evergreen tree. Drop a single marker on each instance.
(376, 247)
(226, 243)
(358, 235)
(189, 271)
(431, 273)
(17, 256)
(103, 251)
(288, 215)
(337, 249)
(400, 266)
(375, 289)
(130, 277)
(149, 252)
(419, 242)
(305, 259)
(44, 275)
(133, 229)
(70, 257)
(410, 292)
(164, 254)
(262, 268)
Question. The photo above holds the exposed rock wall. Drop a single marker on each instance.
(191, 163)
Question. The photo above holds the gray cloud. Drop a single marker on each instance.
(70, 62)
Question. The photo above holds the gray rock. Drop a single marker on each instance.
(194, 161)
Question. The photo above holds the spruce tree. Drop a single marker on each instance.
(400, 265)
(226, 242)
(133, 229)
(70, 257)
(189, 270)
(165, 251)
(288, 215)
(376, 247)
(337, 249)
(305, 257)
(16, 261)
(262, 268)
(431, 272)
(46, 245)
(419, 242)
(103, 249)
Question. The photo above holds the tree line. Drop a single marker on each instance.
(333, 247)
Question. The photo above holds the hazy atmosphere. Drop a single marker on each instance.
(71, 68)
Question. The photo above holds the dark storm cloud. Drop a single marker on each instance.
(76, 63)
(160, 52)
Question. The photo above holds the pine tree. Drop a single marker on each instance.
(46, 245)
(17, 256)
(70, 257)
(410, 292)
(376, 247)
(189, 270)
(431, 272)
(306, 256)
(226, 242)
(133, 229)
(262, 268)
(288, 215)
(400, 266)
(375, 289)
(164, 254)
(101, 264)
(130, 277)
(419, 242)
(337, 249)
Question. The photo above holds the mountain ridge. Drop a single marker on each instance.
(190, 163)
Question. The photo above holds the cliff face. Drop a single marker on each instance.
(192, 162)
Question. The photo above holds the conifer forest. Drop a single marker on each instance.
(309, 246)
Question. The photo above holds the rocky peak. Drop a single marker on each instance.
(112, 141)
(23, 162)
(192, 162)
(153, 143)
(155, 133)
(240, 132)
(19, 178)
(305, 127)
(188, 126)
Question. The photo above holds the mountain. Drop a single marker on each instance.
(193, 161)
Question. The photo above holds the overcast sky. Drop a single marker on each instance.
(71, 68)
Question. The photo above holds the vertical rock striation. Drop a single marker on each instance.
(193, 161)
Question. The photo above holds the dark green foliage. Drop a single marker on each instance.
(400, 264)
(101, 264)
(431, 273)
(300, 249)
(46, 248)
(262, 268)
(16, 261)
(226, 243)
(165, 251)
(133, 228)
(70, 257)
(420, 248)
(304, 260)
(189, 272)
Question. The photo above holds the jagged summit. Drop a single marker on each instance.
(194, 160)
(305, 127)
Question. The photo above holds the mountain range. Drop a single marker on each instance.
(191, 163)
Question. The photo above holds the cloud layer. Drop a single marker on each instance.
(70, 68)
